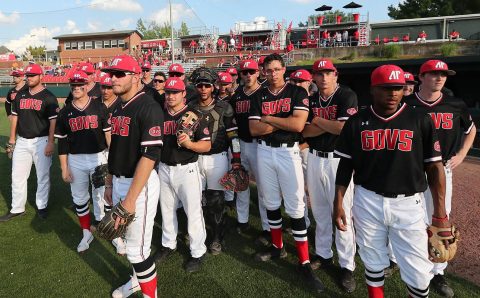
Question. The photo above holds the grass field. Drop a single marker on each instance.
(38, 258)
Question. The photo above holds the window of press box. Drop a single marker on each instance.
(89, 45)
(106, 44)
(98, 44)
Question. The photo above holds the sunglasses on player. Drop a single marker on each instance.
(249, 72)
(120, 74)
(203, 85)
(158, 81)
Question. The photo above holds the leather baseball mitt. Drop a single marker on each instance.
(99, 175)
(106, 227)
(188, 123)
(237, 179)
(9, 149)
(436, 249)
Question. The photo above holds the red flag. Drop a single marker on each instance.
(289, 29)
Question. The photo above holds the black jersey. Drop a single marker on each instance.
(152, 92)
(219, 115)
(136, 124)
(450, 117)
(94, 92)
(34, 112)
(281, 104)
(388, 153)
(263, 82)
(112, 106)
(172, 153)
(148, 84)
(82, 131)
(192, 93)
(11, 94)
(241, 102)
(339, 106)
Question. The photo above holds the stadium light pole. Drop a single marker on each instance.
(172, 47)
(45, 43)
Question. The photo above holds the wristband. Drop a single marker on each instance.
(444, 219)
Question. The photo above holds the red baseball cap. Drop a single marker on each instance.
(176, 68)
(436, 65)
(123, 63)
(106, 80)
(261, 60)
(33, 70)
(248, 64)
(388, 75)
(87, 68)
(323, 64)
(224, 78)
(146, 65)
(409, 78)
(78, 77)
(301, 75)
(17, 73)
(174, 84)
(232, 71)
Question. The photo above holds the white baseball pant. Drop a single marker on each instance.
(304, 156)
(182, 183)
(249, 161)
(280, 175)
(399, 220)
(438, 268)
(321, 173)
(82, 167)
(212, 168)
(28, 151)
(138, 237)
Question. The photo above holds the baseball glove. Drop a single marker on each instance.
(99, 175)
(106, 227)
(9, 149)
(188, 123)
(436, 249)
(236, 179)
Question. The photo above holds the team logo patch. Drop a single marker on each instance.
(206, 131)
(305, 102)
(155, 131)
(436, 146)
(352, 111)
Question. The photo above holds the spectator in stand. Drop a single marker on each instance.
(356, 38)
(345, 38)
(422, 37)
(454, 35)
(338, 39)
(325, 38)
(232, 45)
(290, 47)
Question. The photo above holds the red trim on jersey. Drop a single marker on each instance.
(248, 94)
(392, 116)
(222, 98)
(111, 103)
(133, 98)
(429, 103)
(30, 91)
(86, 106)
(173, 114)
(278, 92)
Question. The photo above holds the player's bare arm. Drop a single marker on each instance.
(13, 129)
(258, 128)
(108, 138)
(343, 177)
(51, 139)
(436, 182)
(66, 175)
(198, 146)
(312, 130)
(331, 126)
(294, 123)
(108, 189)
(467, 143)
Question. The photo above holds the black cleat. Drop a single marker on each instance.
(348, 281)
(309, 276)
(193, 264)
(215, 248)
(390, 270)
(231, 205)
(43, 213)
(440, 285)
(264, 239)
(319, 262)
(162, 254)
(242, 227)
(10, 215)
(271, 253)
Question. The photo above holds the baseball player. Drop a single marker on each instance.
(32, 125)
(241, 102)
(134, 152)
(262, 79)
(214, 163)
(410, 84)
(176, 70)
(232, 71)
(277, 120)
(388, 148)
(147, 74)
(330, 107)
(93, 88)
(456, 133)
(19, 81)
(180, 178)
(83, 134)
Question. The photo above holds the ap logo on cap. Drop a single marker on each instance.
(394, 75)
(322, 63)
(172, 83)
(440, 65)
(298, 74)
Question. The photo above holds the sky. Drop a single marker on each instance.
(35, 22)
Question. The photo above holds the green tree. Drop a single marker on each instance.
(183, 29)
(153, 30)
(34, 52)
(432, 8)
(329, 16)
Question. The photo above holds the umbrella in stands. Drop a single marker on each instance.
(352, 5)
(324, 8)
